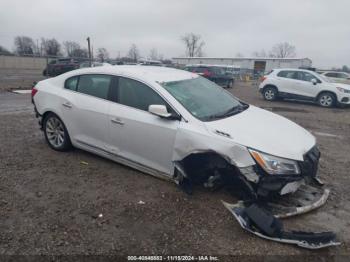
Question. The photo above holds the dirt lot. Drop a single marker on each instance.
(50, 202)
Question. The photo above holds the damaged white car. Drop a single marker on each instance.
(180, 126)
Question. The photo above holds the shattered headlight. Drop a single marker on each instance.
(274, 165)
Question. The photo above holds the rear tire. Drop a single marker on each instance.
(56, 134)
(326, 99)
(270, 93)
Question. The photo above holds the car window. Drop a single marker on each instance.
(331, 74)
(199, 69)
(287, 74)
(202, 98)
(138, 95)
(305, 76)
(308, 77)
(71, 83)
(342, 75)
(94, 85)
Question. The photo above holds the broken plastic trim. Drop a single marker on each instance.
(300, 202)
(257, 221)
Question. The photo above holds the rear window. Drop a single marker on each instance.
(286, 74)
(71, 83)
(94, 85)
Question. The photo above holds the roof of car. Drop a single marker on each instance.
(292, 69)
(335, 72)
(147, 73)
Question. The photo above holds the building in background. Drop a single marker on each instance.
(247, 65)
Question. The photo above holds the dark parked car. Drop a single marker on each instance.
(213, 73)
(60, 66)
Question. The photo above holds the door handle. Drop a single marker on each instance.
(117, 121)
(67, 104)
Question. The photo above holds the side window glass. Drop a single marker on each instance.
(298, 76)
(71, 83)
(308, 77)
(287, 74)
(95, 85)
(331, 74)
(138, 95)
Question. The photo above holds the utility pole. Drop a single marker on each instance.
(88, 40)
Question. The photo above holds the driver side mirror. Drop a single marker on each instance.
(314, 81)
(159, 110)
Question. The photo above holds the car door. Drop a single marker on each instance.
(286, 82)
(136, 134)
(85, 110)
(305, 86)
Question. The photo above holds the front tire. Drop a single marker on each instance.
(326, 100)
(270, 93)
(56, 134)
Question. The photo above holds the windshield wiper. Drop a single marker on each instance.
(232, 111)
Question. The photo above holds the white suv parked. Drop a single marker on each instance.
(304, 85)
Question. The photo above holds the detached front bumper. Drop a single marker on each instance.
(260, 222)
(288, 195)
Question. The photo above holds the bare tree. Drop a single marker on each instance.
(283, 50)
(73, 49)
(70, 46)
(193, 44)
(134, 53)
(239, 54)
(261, 53)
(51, 47)
(345, 68)
(80, 52)
(102, 54)
(24, 45)
(4, 51)
(153, 54)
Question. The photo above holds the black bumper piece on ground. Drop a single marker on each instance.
(261, 223)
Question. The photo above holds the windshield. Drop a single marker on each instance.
(204, 99)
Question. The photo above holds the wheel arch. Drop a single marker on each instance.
(271, 86)
(326, 91)
(198, 167)
(46, 113)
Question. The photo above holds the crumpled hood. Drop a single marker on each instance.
(267, 132)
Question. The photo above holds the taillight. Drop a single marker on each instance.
(34, 91)
(263, 78)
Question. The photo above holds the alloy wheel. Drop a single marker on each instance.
(55, 132)
(269, 94)
(326, 100)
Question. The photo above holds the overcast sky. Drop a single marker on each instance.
(319, 29)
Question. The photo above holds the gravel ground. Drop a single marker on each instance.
(78, 203)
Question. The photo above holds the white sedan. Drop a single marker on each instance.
(180, 126)
(155, 119)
